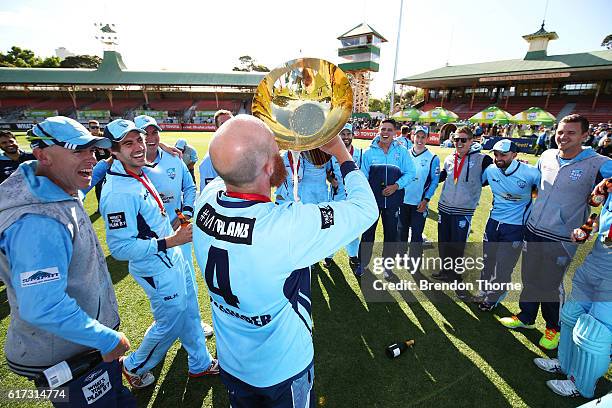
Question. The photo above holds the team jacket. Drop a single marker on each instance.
(339, 193)
(255, 257)
(135, 228)
(424, 184)
(207, 172)
(511, 191)
(563, 192)
(312, 182)
(8, 166)
(462, 198)
(57, 284)
(383, 169)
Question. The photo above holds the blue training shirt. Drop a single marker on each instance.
(511, 190)
(256, 259)
(337, 194)
(207, 172)
(424, 184)
(312, 182)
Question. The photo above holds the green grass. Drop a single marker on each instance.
(462, 357)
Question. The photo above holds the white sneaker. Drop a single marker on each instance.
(550, 365)
(207, 328)
(565, 388)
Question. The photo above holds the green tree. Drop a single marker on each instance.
(49, 62)
(375, 105)
(19, 57)
(81, 61)
(248, 64)
(607, 42)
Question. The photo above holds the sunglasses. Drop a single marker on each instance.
(460, 139)
(94, 127)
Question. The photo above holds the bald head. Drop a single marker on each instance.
(240, 150)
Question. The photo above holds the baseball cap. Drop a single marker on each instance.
(118, 128)
(180, 144)
(505, 146)
(143, 121)
(64, 132)
(420, 129)
(348, 127)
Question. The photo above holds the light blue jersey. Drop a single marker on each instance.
(424, 184)
(255, 257)
(404, 141)
(172, 180)
(134, 230)
(511, 191)
(207, 172)
(338, 194)
(312, 182)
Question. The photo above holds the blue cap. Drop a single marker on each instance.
(118, 128)
(180, 144)
(143, 121)
(505, 146)
(420, 129)
(64, 132)
(348, 127)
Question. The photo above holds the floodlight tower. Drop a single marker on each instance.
(361, 52)
(107, 35)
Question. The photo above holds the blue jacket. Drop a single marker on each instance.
(339, 193)
(312, 182)
(384, 169)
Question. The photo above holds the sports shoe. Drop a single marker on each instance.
(550, 365)
(486, 306)
(213, 369)
(137, 381)
(207, 329)
(565, 388)
(327, 262)
(550, 339)
(514, 322)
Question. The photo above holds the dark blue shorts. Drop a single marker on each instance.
(295, 392)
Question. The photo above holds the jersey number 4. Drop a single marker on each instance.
(218, 263)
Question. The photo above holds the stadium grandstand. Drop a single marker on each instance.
(561, 84)
(178, 100)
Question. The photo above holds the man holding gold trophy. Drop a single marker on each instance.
(256, 255)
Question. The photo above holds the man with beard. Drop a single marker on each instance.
(207, 171)
(138, 230)
(511, 184)
(568, 175)
(338, 193)
(12, 156)
(256, 259)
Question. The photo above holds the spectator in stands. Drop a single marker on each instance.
(606, 148)
(207, 171)
(12, 156)
(190, 156)
(603, 135)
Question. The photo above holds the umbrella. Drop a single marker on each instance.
(492, 114)
(534, 116)
(438, 115)
(408, 115)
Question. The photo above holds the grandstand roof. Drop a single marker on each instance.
(581, 66)
(113, 71)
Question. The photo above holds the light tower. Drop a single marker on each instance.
(107, 35)
(361, 53)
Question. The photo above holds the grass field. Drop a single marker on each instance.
(462, 357)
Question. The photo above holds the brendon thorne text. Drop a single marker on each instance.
(424, 285)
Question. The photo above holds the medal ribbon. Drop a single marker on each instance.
(457, 169)
(147, 184)
(248, 196)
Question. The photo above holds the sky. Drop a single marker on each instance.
(209, 36)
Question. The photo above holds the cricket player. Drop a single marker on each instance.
(138, 230)
(512, 183)
(257, 255)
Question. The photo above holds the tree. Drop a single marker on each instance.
(607, 42)
(81, 61)
(49, 62)
(375, 105)
(24, 58)
(248, 64)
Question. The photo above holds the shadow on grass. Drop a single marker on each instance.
(462, 357)
(117, 269)
(5, 308)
